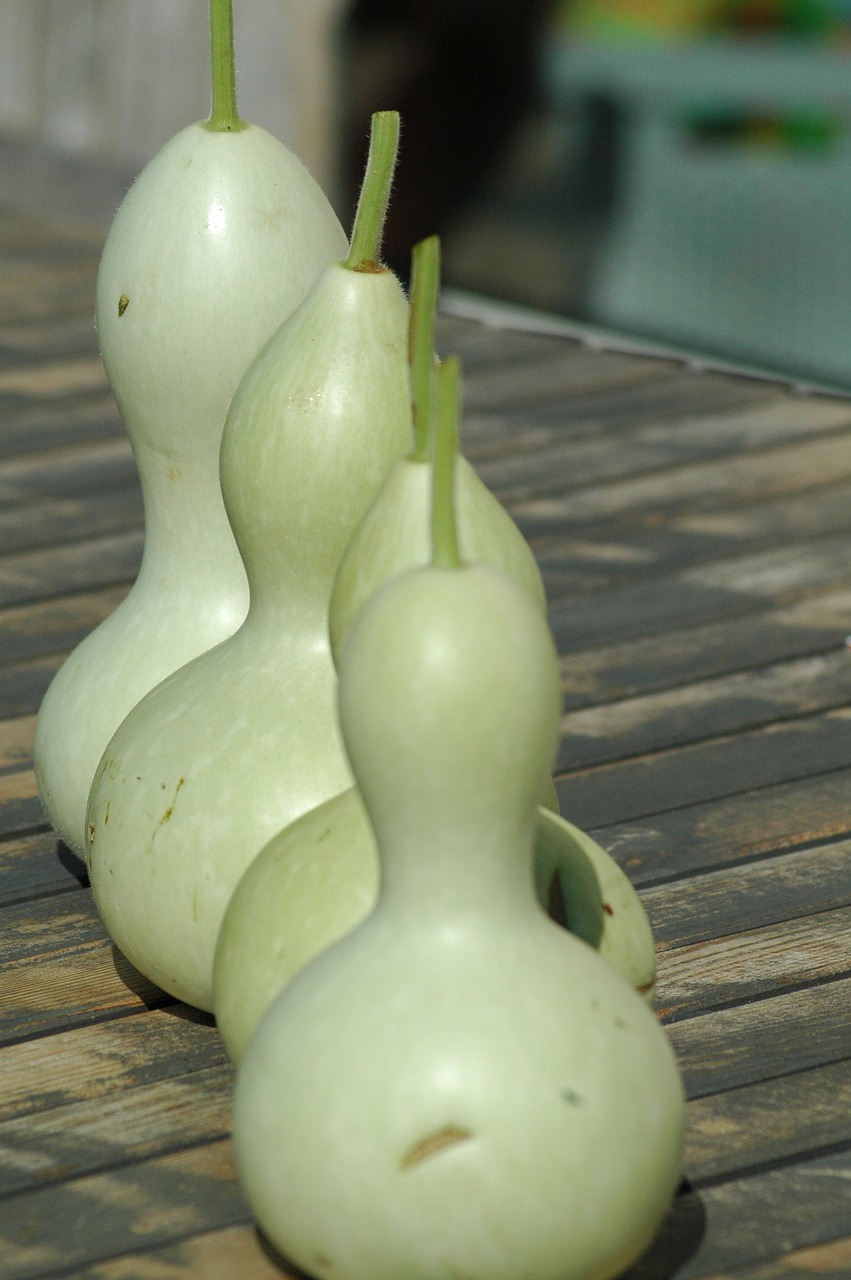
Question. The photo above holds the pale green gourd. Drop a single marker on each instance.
(235, 745)
(393, 534)
(458, 1087)
(217, 241)
(319, 877)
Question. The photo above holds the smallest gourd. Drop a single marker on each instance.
(458, 1087)
(393, 534)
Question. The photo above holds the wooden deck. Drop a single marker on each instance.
(693, 528)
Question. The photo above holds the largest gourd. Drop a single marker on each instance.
(217, 241)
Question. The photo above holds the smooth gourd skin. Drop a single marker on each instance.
(394, 535)
(458, 1087)
(317, 879)
(216, 242)
(241, 741)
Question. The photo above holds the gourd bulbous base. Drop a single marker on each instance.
(216, 242)
(319, 878)
(459, 1104)
(201, 774)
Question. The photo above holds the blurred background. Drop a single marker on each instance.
(672, 169)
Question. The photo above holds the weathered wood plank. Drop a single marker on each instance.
(733, 830)
(48, 339)
(50, 927)
(769, 891)
(23, 686)
(563, 460)
(610, 556)
(63, 520)
(48, 571)
(697, 772)
(66, 472)
(828, 1261)
(751, 1219)
(105, 1059)
(60, 1227)
(31, 428)
(35, 865)
(212, 1255)
(60, 969)
(136, 1124)
(36, 288)
(758, 962)
(819, 623)
(696, 488)
(52, 378)
(236, 1251)
(16, 738)
(765, 1038)
(20, 807)
(54, 626)
(705, 709)
(736, 586)
(673, 400)
(566, 371)
(771, 1121)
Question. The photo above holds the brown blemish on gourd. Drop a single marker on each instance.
(106, 814)
(644, 987)
(433, 1143)
(170, 810)
(608, 908)
(123, 304)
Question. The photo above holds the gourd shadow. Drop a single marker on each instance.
(288, 1270)
(72, 863)
(677, 1240)
(152, 996)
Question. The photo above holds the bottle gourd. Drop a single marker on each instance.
(318, 878)
(236, 744)
(217, 241)
(458, 1087)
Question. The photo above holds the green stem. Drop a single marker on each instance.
(444, 532)
(224, 117)
(365, 246)
(425, 286)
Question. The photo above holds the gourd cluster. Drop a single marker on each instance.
(308, 759)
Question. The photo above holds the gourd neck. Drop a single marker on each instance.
(189, 547)
(457, 868)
